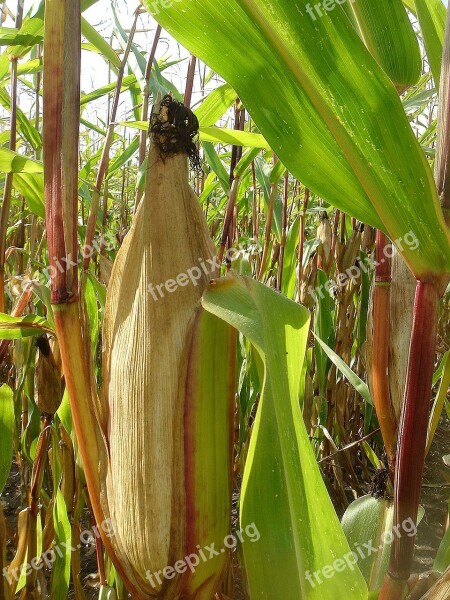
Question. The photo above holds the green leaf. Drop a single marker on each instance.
(432, 17)
(30, 34)
(124, 157)
(324, 330)
(15, 328)
(439, 402)
(359, 385)
(215, 105)
(369, 521)
(215, 134)
(128, 81)
(63, 539)
(233, 137)
(442, 561)
(107, 593)
(12, 162)
(98, 41)
(31, 187)
(389, 36)
(217, 166)
(6, 433)
(326, 108)
(281, 478)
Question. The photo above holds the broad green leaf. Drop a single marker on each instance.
(388, 34)
(30, 34)
(281, 479)
(12, 162)
(369, 521)
(15, 328)
(124, 157)
(245, 162)
(439, 402)
(31, 187)
(233, 137)
(217, 166)
(99, 42)
(442, 561)
(6, 433)
(63, 539)
(128, 81)
(216, 134)
(32, 66)
(326, 108)
(215, 105)
(359, 385)
(432, 17)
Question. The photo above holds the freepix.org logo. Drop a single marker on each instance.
(320, 9)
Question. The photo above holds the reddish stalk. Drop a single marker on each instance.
(236, 155)
(62, 49)
(381, 333)
(190, 81)
(413, 433)
(301, 240)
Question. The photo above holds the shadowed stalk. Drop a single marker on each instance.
(381, 332)
(190, 81)
(235, 180)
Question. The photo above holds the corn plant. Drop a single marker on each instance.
(201, 379)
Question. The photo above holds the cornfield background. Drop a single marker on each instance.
(266, 224)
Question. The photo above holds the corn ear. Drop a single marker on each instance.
(48, 385)
(158, 413)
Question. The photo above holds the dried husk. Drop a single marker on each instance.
(48, 384)
(146, 400)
